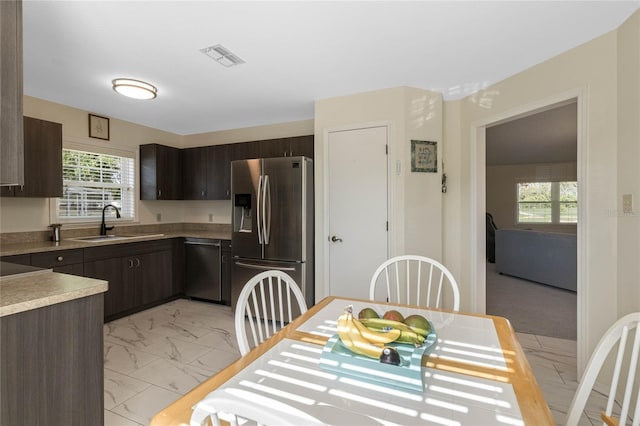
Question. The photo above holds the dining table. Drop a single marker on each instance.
(474, 373)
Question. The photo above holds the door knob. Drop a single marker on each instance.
(336, 239)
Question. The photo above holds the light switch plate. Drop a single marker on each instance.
(627, 203)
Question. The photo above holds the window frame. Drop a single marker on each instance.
(555, 201)
(100, 148)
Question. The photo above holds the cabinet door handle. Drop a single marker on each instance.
(137, 262)
(130, 263)
(159, 193)
(60, 258)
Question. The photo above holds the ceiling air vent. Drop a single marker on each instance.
(222, 55)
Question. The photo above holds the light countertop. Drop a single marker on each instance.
(20, 293)
(66, 244)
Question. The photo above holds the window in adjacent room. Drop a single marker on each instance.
(92, 180)
(548, 202)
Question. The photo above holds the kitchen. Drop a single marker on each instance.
(32, 215)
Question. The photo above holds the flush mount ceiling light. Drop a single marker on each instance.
(134, 88)
(222, 55)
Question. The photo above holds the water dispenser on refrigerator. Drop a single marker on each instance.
(242, 213)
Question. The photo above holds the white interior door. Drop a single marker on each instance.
(358, 208)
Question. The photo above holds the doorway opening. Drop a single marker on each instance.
(531, 222)
(477, 250)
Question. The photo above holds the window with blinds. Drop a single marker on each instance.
(547, 202)
(92, 180)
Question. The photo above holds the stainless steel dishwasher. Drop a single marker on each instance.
(203, 269)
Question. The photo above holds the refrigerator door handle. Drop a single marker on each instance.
(266, 218)
(259, 195)
(262, 267)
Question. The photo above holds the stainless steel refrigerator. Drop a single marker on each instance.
(272, 221)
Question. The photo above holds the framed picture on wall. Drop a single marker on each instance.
(98, 127)
(424, 156)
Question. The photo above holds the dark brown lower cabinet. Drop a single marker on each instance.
(139, 275)
(119, 297)
(63, 261)
(225, 251)
(51, 365)
(20, 259)
(153, 276)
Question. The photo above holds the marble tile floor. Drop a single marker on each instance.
(153, 357)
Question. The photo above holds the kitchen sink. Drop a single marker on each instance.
(113, 237)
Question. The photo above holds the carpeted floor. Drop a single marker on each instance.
(531, 307)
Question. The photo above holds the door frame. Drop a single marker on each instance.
(390, 193)
(478, 205)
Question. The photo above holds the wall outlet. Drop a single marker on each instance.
(210, 217)
(627, 203)
(158, 217)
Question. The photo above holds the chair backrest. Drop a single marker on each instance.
(240, 406)
(622, 334)
(414, 280)
(265, 305)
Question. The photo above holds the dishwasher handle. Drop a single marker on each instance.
(195, 243)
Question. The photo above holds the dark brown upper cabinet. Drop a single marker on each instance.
(160, 172)
(206, 173)
(42, 159)
(287, 147)
(218, 172)
(244, 150)
(194, 173)
(11, 157)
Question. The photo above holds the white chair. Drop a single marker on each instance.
(247, 408)
(414, 280)
(626, 362)
(265, 303)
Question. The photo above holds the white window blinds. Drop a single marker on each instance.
(92, 180)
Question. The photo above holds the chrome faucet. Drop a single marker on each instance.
(103, 226)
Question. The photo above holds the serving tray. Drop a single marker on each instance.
(336, 357)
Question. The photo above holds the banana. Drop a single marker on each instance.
(362, 346)
(343, 331)
(381, 324)
(374, 336)
(407, 335)
(353, 340)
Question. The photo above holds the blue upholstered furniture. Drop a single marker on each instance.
(544, 257)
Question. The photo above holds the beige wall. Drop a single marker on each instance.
(502, 197)
(594, 69)
(628, 165)
(415, 198)
(280, 130)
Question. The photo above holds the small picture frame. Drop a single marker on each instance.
(98, 127)
(424, 156)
